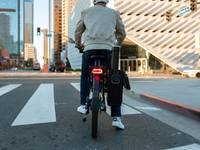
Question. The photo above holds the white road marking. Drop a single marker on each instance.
(187, 147)
(76, 86)
(128, 100)
(148, 108)
(39, 109)
(126, 110)
(8, 88)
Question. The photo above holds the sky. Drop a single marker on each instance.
(41, 19)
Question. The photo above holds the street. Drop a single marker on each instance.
(40, 114)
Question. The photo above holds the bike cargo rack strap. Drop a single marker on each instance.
(115, 59)
(115, 88)
(115, 71)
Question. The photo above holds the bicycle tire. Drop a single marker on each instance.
(94, 123)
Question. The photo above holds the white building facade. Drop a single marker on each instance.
(29, 52)
(173, 41)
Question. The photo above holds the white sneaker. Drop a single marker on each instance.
(116, 122)
(81, 109)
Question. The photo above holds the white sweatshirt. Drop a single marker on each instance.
(99, 28)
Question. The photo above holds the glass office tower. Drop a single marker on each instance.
(11, 33)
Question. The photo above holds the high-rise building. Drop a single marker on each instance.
(4, 30)
(62, 11)
(11, 27)
(57, 29)
(67, 6)
(64, 23)
(71, 4)
(28, 21)
(29, 50)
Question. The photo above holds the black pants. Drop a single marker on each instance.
(86, 62)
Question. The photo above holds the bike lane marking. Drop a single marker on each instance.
(8, 88)
(126, 110)
(187, 147)
(40, 108)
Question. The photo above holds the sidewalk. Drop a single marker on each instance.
(132, 75)
(177, 93)
(37, 74)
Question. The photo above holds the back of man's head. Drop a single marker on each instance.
(100, 1)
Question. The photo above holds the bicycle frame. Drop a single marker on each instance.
(97, 75)
(97, 101)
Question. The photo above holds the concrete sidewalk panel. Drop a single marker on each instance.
(170, 103)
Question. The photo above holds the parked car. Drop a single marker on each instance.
(191, 73)
(36, 66)
(59, 66)
(52, 68)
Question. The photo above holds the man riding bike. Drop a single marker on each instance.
(102, 28)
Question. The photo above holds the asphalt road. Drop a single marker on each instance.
(40, 114)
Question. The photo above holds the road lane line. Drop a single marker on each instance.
(8, 88)
(187, 147)
(40, 108)
(126, 110)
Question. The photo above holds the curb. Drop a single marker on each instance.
(39, 74)
(166, 102)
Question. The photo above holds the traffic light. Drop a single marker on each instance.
(38, 31)
(193, 5)
(168, 15)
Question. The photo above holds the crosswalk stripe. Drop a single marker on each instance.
(8, 88)
(187, 147)
(126, 110)
(76, 86)
(40, 108)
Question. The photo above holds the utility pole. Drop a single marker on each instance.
(19, 31)
(50, 50)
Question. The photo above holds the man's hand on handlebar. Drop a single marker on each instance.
(80, 47)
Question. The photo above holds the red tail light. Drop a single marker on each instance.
(97, 71)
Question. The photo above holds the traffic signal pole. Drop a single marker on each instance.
(46, 35)
(46, 46)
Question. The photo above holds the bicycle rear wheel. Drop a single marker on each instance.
(94, 123)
